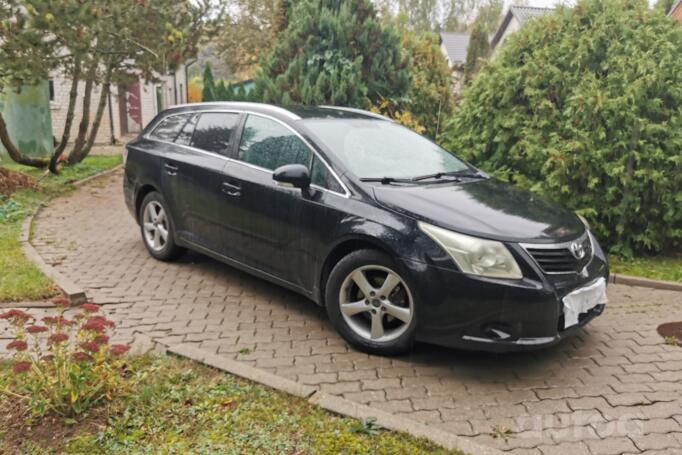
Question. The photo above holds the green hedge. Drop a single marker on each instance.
(585, 107)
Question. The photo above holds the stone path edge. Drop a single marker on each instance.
(629, 280)
(328, 402)
(75, 293)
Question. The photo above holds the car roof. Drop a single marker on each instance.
(284, 113)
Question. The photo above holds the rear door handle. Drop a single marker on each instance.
(231, 189)
(171, 169)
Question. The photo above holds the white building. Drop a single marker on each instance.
(455, 46)
(128, 108)
(515, 18)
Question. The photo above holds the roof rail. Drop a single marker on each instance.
(242, 105)
(359, 111)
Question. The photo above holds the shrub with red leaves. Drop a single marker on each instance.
(61, 301)
(21, 367)
(16, 316)
(57, 321)
(18, 345)
(36, 329)
(82, 357)
(101, 339)
(83, 369)
(90, 307)
(57, 337)
(119, 349)
(90, 346)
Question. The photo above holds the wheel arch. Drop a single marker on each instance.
(342, 249)
(143, 191)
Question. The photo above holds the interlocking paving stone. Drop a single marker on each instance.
(613, 388)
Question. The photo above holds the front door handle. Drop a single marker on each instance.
(171, 169)
(231, 189)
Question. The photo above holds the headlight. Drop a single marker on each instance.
(473, 255)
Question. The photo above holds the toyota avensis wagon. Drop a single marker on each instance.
(399, 239)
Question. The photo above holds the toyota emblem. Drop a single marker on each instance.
(577, 250)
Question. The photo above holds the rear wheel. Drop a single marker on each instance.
(371, 304)
(157, 228)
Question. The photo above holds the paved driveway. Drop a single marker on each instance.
(614, 388)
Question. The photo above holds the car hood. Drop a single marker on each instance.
(485, 208)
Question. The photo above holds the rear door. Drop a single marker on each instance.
(207, 142)
(170, 157)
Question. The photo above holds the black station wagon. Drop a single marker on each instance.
(398, 238)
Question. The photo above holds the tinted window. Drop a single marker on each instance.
(214, 132)
(268, 144)
(169, 128)
(185, 136)
(376, 148)
(321, 177)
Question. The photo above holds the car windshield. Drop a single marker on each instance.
(374, 149)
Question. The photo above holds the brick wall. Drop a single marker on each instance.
(677, 14)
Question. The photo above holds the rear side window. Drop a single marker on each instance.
(185, 136)
(169, 128)
(268, 144)
(214, 131)
(320, 176)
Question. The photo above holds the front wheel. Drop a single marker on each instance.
(371, 304)
(157, 228)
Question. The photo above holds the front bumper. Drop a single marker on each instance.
(464, 311)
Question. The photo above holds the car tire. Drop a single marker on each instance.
(155, 219)
(357, 314)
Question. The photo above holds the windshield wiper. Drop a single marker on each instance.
(463, 173)
(437, 175)
(454, 176)
(386, 180)
(471, 174)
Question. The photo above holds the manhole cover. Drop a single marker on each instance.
(671, 331)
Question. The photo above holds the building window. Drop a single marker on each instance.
(50, 87)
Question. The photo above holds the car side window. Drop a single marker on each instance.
(169, 128)
(322, 177)
(268, 144)
(214, 130)
(185, 136)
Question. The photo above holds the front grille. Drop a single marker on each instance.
(559, 258)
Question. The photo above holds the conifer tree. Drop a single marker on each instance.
(333, 52)
(208, 92)
(479, 48)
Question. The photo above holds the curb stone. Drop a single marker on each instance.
(390, 421)
(328, 402)
(629, 280)
(74, 292)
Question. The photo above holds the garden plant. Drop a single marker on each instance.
(64, 365)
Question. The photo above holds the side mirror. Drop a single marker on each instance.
(295, 175)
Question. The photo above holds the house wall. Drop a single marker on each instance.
(154, 97)
(514, 25)
(445, 54)
(27, 116)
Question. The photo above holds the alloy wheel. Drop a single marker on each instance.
(376, 303)
(155, 225)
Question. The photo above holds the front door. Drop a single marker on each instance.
(263, 232)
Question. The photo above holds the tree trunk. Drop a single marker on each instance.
(85, 119)
(78, 156)
(73, 96)
(15, 153)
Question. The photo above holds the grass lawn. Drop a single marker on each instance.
(179, 406)
(19, 278)
(668, 268)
